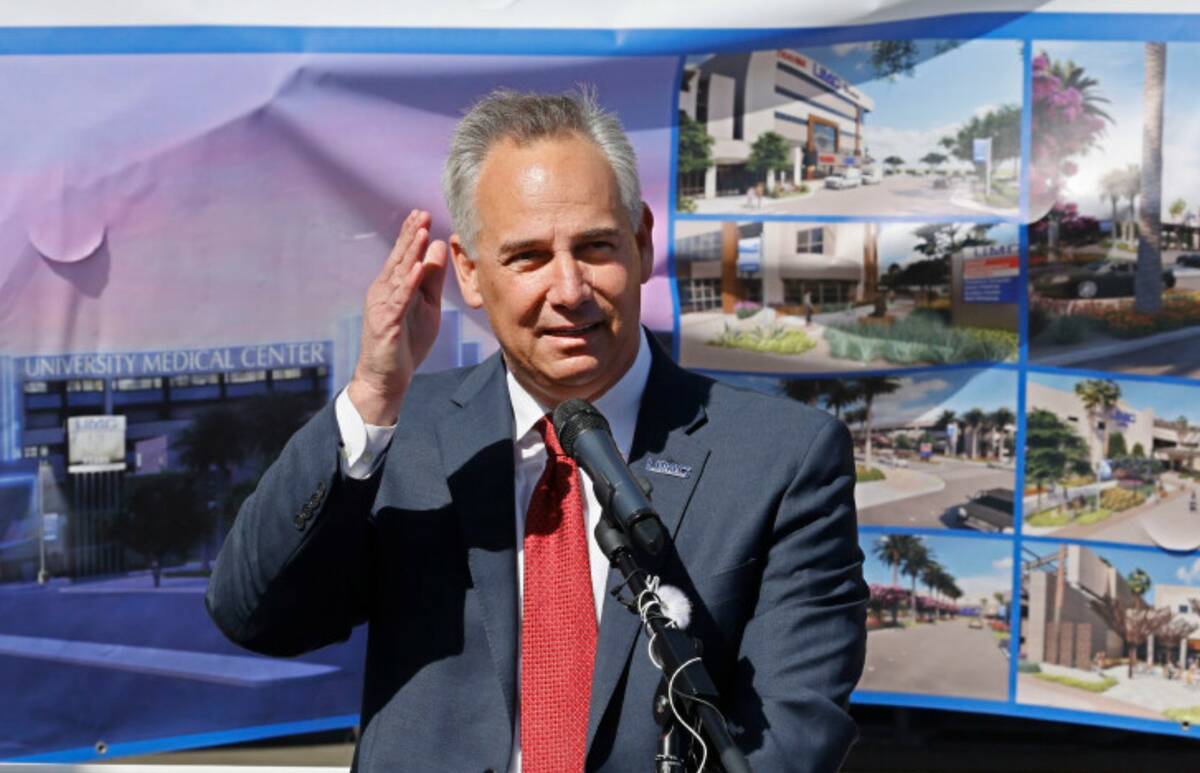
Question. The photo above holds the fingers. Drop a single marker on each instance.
(433, 272)
(409, 231)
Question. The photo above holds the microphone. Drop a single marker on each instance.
(585, 436)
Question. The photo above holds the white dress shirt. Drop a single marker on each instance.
(363, 447)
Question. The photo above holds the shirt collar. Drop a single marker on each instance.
(619, 404)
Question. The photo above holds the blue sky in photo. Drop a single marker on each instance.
(1119, 69)
(896, 240)
(955, 390)
(937, 93)
(913, 112)
(1168, 401)
(979, 566)
(1163, 568)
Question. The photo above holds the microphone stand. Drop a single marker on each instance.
(683, 671)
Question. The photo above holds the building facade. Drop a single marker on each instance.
(775, 264)
(739, 97)
(1138, 426)
(156, 396)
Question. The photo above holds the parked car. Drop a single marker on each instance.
(871, 177)
(975, 623)
(941, 183)
(1190, 260)
(1107, 278)
(851, 178)
(989, 510)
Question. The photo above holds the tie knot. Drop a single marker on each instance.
(545, 428)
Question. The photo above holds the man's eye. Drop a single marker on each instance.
(522, 258)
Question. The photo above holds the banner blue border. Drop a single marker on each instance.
(230, 39)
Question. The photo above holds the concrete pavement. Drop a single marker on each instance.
(943, 658)
(894, 195)
(935, 508)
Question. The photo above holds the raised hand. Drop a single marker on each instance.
(400, 321)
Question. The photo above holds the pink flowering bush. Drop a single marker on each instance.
(1066, 122)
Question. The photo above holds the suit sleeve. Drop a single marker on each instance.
(293, 574)
(802, 650)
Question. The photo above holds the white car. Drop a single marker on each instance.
(851, 178)
(871, 177)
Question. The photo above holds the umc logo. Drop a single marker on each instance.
(663, 467)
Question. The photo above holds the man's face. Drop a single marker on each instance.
(557, 266)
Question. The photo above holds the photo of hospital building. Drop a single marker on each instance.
(776, 265)
(738, 97)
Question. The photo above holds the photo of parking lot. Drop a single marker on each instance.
(1114, 264)
(937, 619)
(803, 297)
(870, 128)
(1112, 459)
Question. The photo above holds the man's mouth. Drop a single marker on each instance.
(572, 331)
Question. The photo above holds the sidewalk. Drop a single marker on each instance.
(899, 484)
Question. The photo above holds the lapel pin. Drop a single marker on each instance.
(663, 467)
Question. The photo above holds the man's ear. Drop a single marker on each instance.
(645, 242)
(465, 271)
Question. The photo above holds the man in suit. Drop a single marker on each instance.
(439, 510)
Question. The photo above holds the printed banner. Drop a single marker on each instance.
(973, 234)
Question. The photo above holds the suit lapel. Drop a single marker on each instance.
(671, 409)
(477, 452)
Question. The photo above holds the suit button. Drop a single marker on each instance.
(300, 521)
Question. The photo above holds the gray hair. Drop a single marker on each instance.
(524, 118)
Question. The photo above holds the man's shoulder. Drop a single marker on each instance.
(431, 395)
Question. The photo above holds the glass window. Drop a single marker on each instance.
(811, 241)
(86, 385)
(196, 379)
(246, 376)
(36, 387)
(285, 374)
(701, 294)
(706, 246)
(825, 138)
(136, 384)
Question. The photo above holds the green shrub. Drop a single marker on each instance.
(868, 474)
(773, 340)
(685, 204)
(1082, 684)
(919, 338)
(1119, 499)
(1190, 715)
(1028, 667)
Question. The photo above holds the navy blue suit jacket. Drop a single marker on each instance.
(765, 545)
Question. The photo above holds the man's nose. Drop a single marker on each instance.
(570, 281)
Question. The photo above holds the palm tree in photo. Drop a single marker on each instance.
(893, 550)
(1139, 581)
(913, 564)
(839, 394)
(1148, 281)
(1131, 188)
(1099, 396)
(869, 389)
(1000, 419)
(973, 420)
(944, 420)
(1112, 187)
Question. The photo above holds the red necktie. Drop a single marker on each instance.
(558, 624)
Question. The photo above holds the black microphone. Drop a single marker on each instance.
(585, 436)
